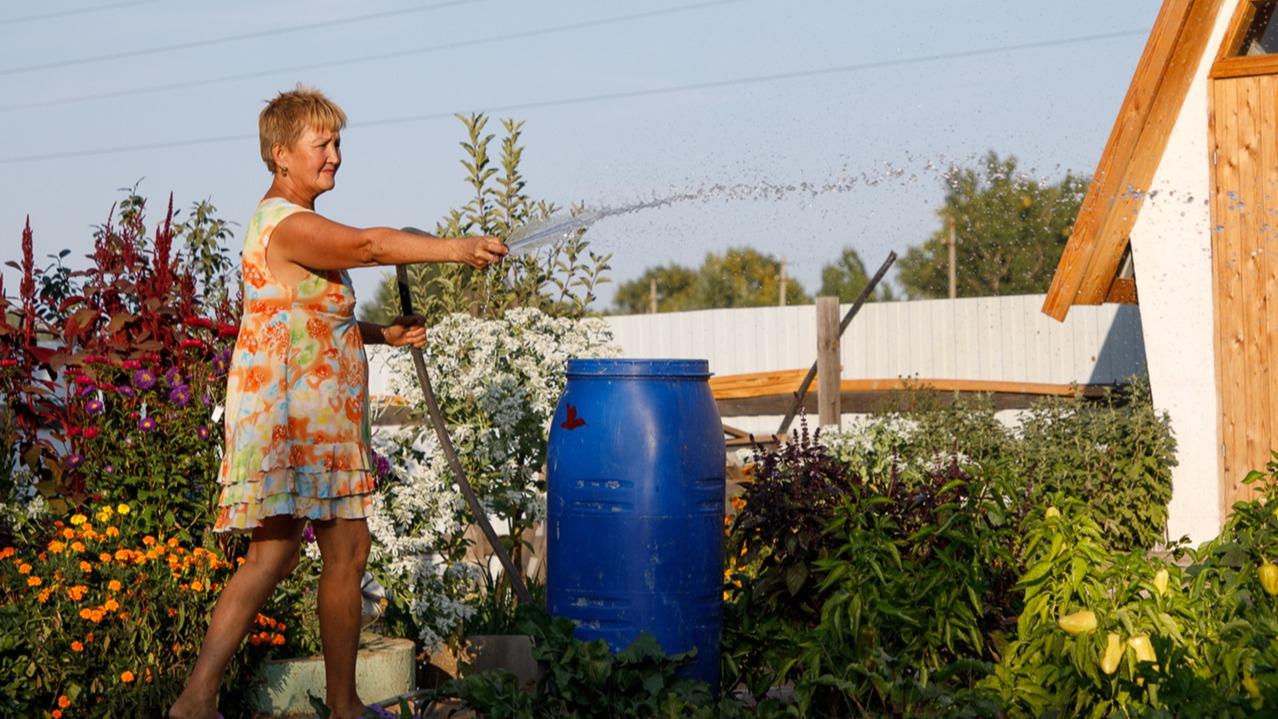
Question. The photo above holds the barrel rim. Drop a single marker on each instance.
(638, 367)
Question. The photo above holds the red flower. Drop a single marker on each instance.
(189, 343)
(8, 362)
(90, 432)
(131, 364)
(199, 322)
(228, 330)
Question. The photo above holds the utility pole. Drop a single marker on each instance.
(781, 284)
(953, 257)
(652, 295)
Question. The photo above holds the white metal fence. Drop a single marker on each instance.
(986, 338)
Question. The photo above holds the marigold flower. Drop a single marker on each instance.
(173, 542)
(104, 557)
(24, 568)
(76, 646)
(85, 567)
(88, 638)
(126, 677)
(197, 586)
(56, 547)
(86, 613)
(77, 592)
(77, 547)
(68, 533)
(112, 532)
(277, 640)
(64, 702)
(78, 519)
(111, 605)
(122, 555)
(114, 585)
(56, 714)
(148, 540)
(43, 596)
(6, 553)
(34, 581)
(122, 508)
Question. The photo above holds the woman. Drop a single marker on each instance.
(297, 425)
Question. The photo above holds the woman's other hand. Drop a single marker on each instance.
(406, 330)
(480, 252)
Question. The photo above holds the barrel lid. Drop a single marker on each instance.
(630, 367)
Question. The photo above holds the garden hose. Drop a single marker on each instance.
(441, 430)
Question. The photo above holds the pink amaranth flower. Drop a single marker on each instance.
(147, 424)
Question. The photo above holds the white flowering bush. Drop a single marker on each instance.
(498, 382)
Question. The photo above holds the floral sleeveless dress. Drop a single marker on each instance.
(297, 420)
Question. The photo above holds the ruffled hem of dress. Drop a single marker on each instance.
(298, 482)
(247, 516)
(307, 457)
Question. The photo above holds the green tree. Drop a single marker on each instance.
(1010, 232)
(740, 277)
(559, 280)
(674, 290)
(846, 277)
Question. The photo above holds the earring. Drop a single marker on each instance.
(284, 171)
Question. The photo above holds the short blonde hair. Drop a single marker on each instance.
(291, 113)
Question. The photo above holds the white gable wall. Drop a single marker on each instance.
(1171, 243)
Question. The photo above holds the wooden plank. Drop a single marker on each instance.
(1267, 241)
(1245, 67)
(1122, 291)
(1139, 173)
(786, 382)
(1227, 252)
(1249, 211)
(828, 369)
(1122, 145)
(1244, 11)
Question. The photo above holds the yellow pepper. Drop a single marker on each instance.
(1113, 653)
(1269, 577)
(1144, 650)
(1160, 582)
(1253, 690)
(1078, 622)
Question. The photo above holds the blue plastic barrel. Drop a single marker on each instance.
(635, 483)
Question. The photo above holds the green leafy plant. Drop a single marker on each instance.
(559, 280)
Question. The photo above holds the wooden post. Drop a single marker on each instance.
(781, 284)
(953, 260)
(652, 295)
(829, 373)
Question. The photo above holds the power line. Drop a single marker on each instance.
(230, 38)
(73, 11)
(604, 97)
(367, 58)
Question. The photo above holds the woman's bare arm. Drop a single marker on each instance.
(310, 240)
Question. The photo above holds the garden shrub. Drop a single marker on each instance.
(1115, 452)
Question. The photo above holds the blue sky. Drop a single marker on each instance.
(905, 89)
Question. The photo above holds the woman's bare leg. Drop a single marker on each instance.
(272, 555)
(344, 545)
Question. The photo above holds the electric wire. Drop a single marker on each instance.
(186, 84)
(73, 11)
(604, 97)
(22, 69)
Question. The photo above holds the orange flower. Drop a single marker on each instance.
(111, 605)
(24, 568)
(197, 586)
(122, 555)
(6, 552)
(112, 532)
(277, 640)
(148, 540)
(64, 702)
(173, 542)
(88, 638)
(56, 547)
(126, 677)
(77, 592)
(85, 567)
(77, 546)
(34, 581)
(114, 585)
(86, 613)
(68, 533)
(56, 714)
(43, 596)
(76, 646)
(104, 557)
